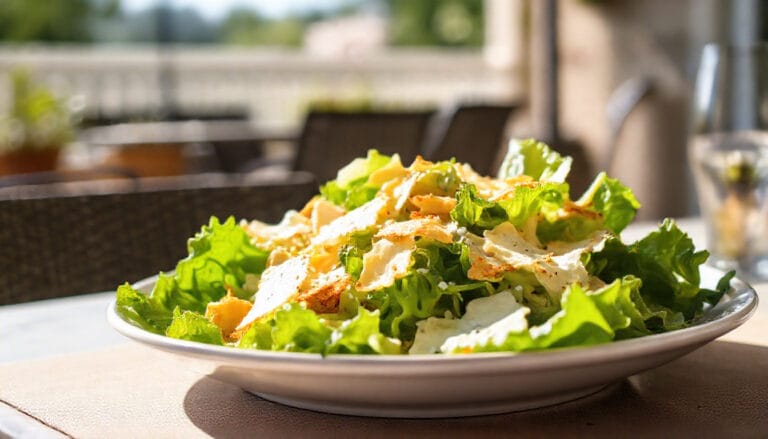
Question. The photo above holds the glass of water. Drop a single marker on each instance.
(728, 152)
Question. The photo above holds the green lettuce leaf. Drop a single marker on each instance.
(410, 299)
(361, 335)
(439, 179)
(220, 255)
(535, 159)
(142, 311)
(571, 229)
(294, 328)
(668, 264)
(297, 329)
(586, 318)
(351, 188)
(529, 292)
(188, 325)
(544, 199)
(614, 201)
(351, 253)
(476, 213)
(258, 336)
(436, 284)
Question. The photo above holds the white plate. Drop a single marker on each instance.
(421, 386)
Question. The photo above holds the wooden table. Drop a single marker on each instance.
(64, 371)
(177, 147)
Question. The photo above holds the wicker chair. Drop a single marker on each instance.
(52, 246)
(330, 140)
(471, 134)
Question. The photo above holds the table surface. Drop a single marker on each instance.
(183, 132)
(104, 385)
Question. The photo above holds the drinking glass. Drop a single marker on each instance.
(728, 151)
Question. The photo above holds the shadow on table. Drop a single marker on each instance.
(720, 390)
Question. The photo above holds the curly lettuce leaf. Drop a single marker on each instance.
(297, 329)
(294, 328)
(351, 254)
(614, 201)
(544, 199)
(351, 189)
(668, 264)
(570, 229)
(439, 179)
(361, 335)
(141, 310)
(220, 256)
(586, 318)
(607, 204)
(410, 299)
(528, 291)
(498, 323)
(478, 214)
(436, 284)
(258, 336)
(188, 325)
(535, 159)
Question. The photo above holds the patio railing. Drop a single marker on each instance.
(273, 86)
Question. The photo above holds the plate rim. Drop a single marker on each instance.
(694, 335)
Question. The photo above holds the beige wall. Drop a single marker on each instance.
(605, 43)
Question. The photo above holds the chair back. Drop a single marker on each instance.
(471, 134)
(330, 140)
(73, 244)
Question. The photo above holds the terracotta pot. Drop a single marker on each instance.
(26, 161)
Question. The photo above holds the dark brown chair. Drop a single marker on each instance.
(72, 244)
(330, 140)
(471, 134)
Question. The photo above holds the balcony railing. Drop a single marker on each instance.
(273, 86)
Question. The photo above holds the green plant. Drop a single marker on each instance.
(37, 118)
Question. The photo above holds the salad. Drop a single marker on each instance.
(432, 258)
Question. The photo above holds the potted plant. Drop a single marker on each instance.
(36, 128)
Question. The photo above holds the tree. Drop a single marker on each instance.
(436, 22)
(245, 27)
(44, 20)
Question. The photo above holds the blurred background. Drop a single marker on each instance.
(156, 88)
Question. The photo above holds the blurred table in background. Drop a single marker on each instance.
(179, 147)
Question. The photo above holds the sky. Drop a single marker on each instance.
(216, 9)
